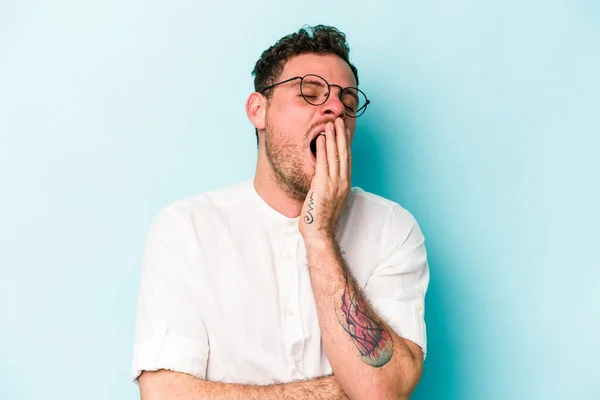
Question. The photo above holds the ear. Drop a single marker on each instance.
(256, 108)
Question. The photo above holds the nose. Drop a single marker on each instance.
(334, 106)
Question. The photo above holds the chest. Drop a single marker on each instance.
(259, 308)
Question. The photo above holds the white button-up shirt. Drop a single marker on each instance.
(225, 293)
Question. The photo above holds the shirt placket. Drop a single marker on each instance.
(294, 333)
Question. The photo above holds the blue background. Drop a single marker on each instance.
(485, 124)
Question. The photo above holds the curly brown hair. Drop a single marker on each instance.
(319, 39)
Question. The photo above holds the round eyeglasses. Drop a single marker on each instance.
(315, 90)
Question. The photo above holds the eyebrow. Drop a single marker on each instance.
(318, 83)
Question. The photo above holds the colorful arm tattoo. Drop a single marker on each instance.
(367, 332)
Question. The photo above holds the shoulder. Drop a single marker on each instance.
(205, 206)
(371, 207)
(377, 219)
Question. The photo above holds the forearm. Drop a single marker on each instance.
(368, 358)
(168, 385)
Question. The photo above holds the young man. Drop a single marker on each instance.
(292, 285)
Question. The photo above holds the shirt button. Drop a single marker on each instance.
(289, 313)
(288, 256)
(419, 307)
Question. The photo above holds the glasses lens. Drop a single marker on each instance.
(354, 100)
(314, 89)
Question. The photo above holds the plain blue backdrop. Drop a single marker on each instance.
(485, 124)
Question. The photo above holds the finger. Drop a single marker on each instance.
(332, 153)
(343, 149)
(349, 163)
(322, 168)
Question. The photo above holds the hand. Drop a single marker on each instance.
(330, 186)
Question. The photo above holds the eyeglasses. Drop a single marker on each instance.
(315, 90)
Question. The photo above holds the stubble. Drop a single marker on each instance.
(285, 160)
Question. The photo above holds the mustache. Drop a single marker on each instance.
(317, 124)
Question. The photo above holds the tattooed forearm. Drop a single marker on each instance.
(367, 332)
(308, 218)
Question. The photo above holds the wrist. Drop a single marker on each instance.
(319, 242)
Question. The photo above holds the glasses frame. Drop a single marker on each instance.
(359, 112)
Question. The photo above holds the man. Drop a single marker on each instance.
(292, 285)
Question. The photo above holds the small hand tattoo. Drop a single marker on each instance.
(309, 217)
(369, 335)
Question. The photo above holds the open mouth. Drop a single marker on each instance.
(313, 145)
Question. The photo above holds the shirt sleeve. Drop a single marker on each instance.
(169, 330)
(397, 286)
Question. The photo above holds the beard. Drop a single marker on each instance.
(286, 162)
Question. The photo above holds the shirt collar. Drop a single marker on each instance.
(268, 210)
(276, 215)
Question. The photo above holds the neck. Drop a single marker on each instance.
(268, 188)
